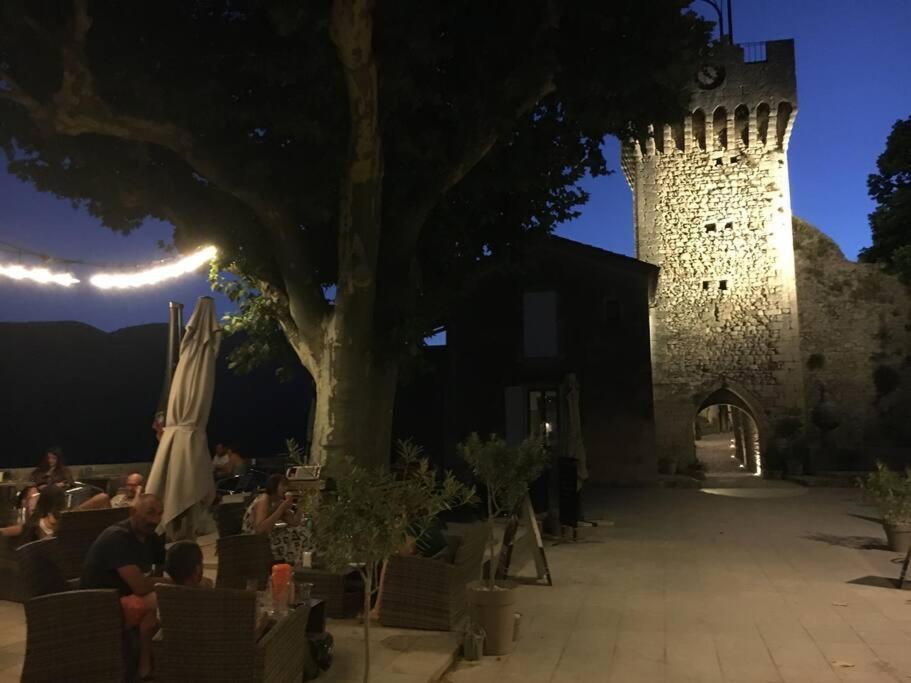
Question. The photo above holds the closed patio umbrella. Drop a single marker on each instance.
(182, 471)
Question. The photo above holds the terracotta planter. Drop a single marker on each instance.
(899, 536)
(495, 611)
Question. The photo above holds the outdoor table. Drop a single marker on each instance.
(342, 591)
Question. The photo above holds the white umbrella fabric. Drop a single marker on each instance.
(182, 471)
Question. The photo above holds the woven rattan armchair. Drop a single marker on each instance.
(243, 557)
(208, 635)
(74, 636)
(229, 518)
(39, 568)
(77, 530)
(426, 593)
(10, 576)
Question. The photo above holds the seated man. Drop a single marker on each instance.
(122, 557)
(183, 564)
(132, 489)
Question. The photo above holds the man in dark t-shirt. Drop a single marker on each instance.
(117, 547)
(121, 558)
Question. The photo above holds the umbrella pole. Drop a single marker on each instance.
(175, 335)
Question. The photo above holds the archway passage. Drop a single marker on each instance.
(726, 437)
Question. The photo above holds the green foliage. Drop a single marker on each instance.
(295, 454)
(890, 188)
(890, 492)
(255, 319)
(367, 518)
(505, 473)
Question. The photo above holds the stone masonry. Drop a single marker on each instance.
(855, 328)
(712, 209)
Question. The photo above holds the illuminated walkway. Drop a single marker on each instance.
(749, 587)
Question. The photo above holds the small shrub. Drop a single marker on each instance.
(890, 492)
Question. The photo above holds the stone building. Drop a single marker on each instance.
(712, 209)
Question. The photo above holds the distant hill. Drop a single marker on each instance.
(95, 393)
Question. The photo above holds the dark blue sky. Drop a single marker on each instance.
(853, 61)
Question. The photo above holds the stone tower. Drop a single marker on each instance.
(712, 208)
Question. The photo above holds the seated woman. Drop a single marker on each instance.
(51, 470)
(43, 520)
(274, 505)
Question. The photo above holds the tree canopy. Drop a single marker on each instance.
(890, 188)
(387, 150)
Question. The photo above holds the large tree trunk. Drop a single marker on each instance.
(355, 395)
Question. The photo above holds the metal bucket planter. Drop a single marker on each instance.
(899, 536)
(494, 610)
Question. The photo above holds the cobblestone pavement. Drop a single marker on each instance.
(737, 585)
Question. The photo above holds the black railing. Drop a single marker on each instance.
(753, 52)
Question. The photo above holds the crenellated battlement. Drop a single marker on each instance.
(744, 98)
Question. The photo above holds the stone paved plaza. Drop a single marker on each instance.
(752, 586)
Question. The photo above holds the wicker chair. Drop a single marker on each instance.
(10, 581)
(208, 635)
(229, 518)
(426, 593)
(243, 557)
(74, 636)
(77, 530)
(39, 568)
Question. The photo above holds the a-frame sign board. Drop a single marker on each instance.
(525, 516)
(904, 575)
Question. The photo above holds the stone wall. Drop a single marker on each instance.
(712, 209)
(855, 323)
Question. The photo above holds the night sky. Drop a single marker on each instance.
(852, 76)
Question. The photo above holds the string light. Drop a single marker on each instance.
(40, 275)
(156, 274)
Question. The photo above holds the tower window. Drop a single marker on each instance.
(734, 160)
(723, 285)
(705, 285)
(719, 161)
(710, 227)
(729, 225)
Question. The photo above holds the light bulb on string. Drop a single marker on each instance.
(155, 274)
(42, 276)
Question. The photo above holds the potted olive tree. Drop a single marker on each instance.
(505, 473)
(891, 493)
(369, 515)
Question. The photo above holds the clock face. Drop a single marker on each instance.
(710, 76)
